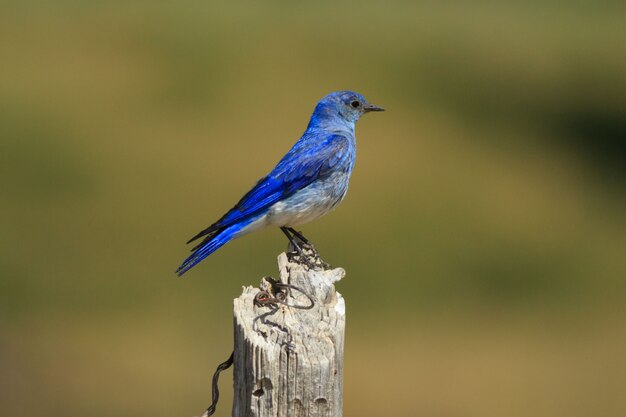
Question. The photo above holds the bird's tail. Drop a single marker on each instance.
(210, 245)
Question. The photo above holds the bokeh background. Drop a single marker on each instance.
(483, 234)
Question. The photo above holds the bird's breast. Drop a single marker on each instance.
(311, 202)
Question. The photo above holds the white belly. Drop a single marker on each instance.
(303, 206)
(311, 202)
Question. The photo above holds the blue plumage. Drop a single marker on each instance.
(309, 181)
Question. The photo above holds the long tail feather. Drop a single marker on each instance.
(211, 229)
(209, 246)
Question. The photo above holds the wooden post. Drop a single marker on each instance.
(289, 361)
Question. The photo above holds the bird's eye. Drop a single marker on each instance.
(355, 104)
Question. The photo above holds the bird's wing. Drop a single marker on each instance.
(306, 162)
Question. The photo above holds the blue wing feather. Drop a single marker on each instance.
(309, 159)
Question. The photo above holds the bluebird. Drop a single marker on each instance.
(308, 182)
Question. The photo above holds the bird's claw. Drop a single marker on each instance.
(306, 254)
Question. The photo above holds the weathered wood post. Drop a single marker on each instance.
(288, 359)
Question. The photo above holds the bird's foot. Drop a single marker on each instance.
(305, 253)
(309, 257)
(302, 251)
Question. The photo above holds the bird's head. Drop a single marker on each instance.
(345, 106)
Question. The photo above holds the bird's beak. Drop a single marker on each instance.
(371, 107)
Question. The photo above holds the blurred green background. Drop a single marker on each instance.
(483, 234)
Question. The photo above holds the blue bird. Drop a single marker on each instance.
(308, 182)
